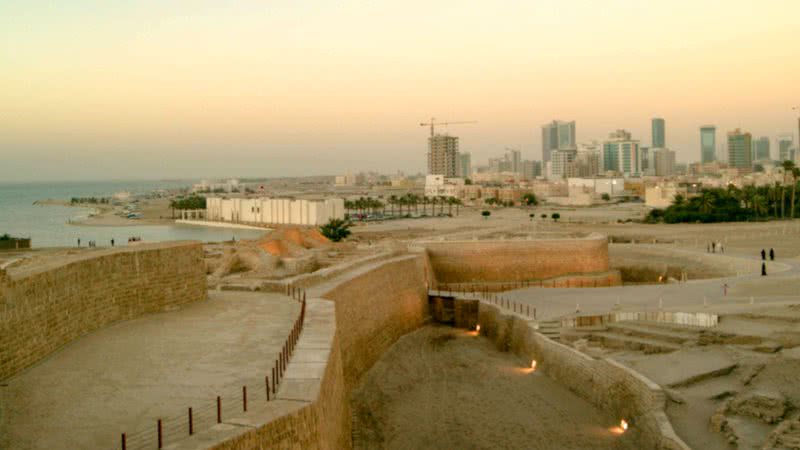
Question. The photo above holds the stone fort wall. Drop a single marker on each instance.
(350, 322)
(495, 262)
(45, 306)
(609, 385)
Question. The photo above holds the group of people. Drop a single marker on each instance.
(134, 239)
(94, 243)
(714, 247)
(764, 260)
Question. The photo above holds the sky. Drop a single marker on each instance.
(111, 89)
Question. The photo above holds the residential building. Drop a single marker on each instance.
(708, 143)
(531, 169)
(739, 151)
(561, 160)
(659, 133)
(647, 165)
(443, 155)
(514, 158)
(621, 154)
(662, 195)
(664, 162)
(761, 149)
(441, 186)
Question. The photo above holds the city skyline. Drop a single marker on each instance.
(90, 90)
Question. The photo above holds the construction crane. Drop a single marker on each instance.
(433, 122)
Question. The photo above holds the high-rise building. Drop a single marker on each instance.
(761, 149)
(557, 135)
(664, 162)
(659, 133)
(785, 150)
(561, 160)
(621, 154)
(739, 151)
(531, 169)
(514, 157)
(443, 155)
(708, 143)
(464, 165)
(646, 164)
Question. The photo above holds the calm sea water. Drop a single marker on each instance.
(47, 225)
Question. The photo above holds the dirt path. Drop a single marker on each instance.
(439, 387)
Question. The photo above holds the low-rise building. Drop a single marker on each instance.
(275, 211)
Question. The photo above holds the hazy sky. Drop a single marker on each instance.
(148, 89)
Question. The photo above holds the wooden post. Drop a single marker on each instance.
(191, 423)
(219, 409)
(160, 437)
(124, 447)
(266, 381)
(244, 398)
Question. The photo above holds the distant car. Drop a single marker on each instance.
(134, 216)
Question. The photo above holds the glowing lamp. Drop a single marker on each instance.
(623, 424)
(533, 365)
(478, 328)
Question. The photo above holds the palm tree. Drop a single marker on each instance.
(759, 203)
(707, 202)
(392, 201)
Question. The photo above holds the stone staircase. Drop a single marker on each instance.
(551, 329)
(647, 337)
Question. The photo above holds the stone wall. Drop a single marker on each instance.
(349, 323)
(604, 382)
(500, 261)
(45, 306)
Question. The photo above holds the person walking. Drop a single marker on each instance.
(721, 248)
(112, 242)
(713, 247)
(772, 254)
(763, 255)
(79, 242)
(763, 269)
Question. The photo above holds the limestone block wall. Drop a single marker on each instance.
(516, 260)
(604, 382)
(44, 307)
(349, 323)
(374, 308)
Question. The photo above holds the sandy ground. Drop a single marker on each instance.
(123, 377)
(153, 212)
(439, 387)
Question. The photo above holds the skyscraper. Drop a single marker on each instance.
(621, 154)
(557, 135)
(785, 150)
(514, 157)
(464, 165)
(443, 155)
(561, 161)
(761, 149)
(708, 143)
(659, 133)
(739, 151)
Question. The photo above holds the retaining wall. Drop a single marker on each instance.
(696, 319)
(45, 306)
(500, 261)
(604, 382)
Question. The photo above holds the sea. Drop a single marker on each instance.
(49, 225)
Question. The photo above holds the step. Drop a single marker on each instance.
(615, 340)
(645, 330)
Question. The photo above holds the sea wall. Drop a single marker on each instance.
(498, 261)
(44, 306)
(604, 382)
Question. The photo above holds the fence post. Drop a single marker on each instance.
(219, 409)
(124, 447)
(244, 398)
(274, 377)
(191, 422)
(266, 380)
(160, 438)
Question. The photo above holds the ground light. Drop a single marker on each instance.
(533, 365)
(623, 426)
(478, 328)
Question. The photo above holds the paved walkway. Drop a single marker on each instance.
(780, 286)
(122, 378)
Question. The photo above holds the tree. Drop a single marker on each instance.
(544, 216)
(336, 229)
(530, 199)
(532, 216)
(788, 169)
(486, 214)
(605, 196)
(795, 175)
(556, 216)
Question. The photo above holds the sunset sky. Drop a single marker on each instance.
(112, 89)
